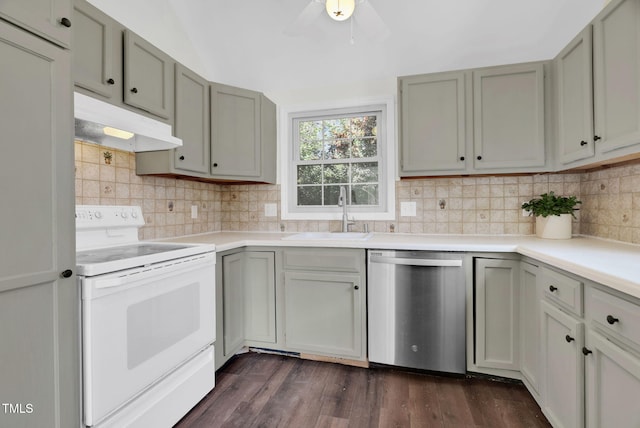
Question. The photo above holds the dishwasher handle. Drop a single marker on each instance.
(416, 262)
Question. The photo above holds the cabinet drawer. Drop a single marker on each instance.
(330, 259)
(614, 314)
(563, 289)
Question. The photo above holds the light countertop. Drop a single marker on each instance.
(614, 264)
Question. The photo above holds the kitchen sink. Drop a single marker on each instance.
(326, 236)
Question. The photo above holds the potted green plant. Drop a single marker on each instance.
(553, 214)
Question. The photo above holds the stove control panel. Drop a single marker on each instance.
(108, 216)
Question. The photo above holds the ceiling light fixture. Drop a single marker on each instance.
(340, 10)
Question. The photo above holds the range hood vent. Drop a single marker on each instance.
(105, 124)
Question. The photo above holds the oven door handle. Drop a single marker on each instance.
(415, 262)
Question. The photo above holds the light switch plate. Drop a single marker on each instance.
(270, 210)
(194, 211)
(408, 209)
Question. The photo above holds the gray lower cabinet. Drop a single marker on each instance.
(324, 313)
(612, 384)
(574, 98)
(324, 302)
(497, 303)
(243, 135)
(49, 19)
(148, 76)
(39, 297)
(530, 296)
(435, 127)
(563, 383)
(245, 302)
(97, 51)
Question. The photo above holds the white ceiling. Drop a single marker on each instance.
(242, 42)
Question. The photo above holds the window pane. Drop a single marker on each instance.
(364, 194)
(336, 128)
(365, 126)
(365, 172)
(338, 149)
(331, 195)
(309, 195)
(311, 150)
(337, 173)
(309, 174)
(364, 148)
(310, 130)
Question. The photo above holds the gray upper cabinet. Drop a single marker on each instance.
(94, 57)
(508, 114)
(147, 76)
(235, 136)
(243, 135)
(39, 307)
(191, 121)
(574, 94)
(489, 120)
(230, 139)
(616, 43)
(49, 19)
(434, 123)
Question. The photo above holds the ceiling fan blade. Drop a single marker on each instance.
(370, 22)
(310, 13)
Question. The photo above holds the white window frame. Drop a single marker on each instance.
(386, 167)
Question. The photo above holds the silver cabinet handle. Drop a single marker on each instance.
(415, 262)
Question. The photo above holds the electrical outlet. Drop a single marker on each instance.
(194, 211)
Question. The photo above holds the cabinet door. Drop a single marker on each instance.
(497, 297)
(508, 115)
(93, 67)
(147, 78)
(39, 308)
(575, 99)
(324, 314)
(191, 121)
(563, 367)
(434, 123)
(616, 42)
(259, 297)
(233, 295)
(50, 19)
(530, 296)
(235, 132)
(612, 384)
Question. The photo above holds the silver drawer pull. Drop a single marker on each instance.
(416, 262)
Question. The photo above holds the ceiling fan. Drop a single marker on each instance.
(360, 11)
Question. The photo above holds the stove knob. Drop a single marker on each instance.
(134, 214)
(98, 214)
(124, 214)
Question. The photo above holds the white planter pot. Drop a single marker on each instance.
(554, 227)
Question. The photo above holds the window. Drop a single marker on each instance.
(330, 149)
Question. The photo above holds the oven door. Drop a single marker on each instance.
(141, 324)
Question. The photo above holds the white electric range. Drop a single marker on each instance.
(148, 321)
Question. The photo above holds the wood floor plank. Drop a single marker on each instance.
(267, 391)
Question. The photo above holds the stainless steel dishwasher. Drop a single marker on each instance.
(416, 310)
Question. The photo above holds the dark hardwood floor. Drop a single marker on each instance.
(261, 390)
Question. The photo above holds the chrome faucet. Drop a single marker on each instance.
(342, 202)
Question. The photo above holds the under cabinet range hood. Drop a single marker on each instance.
(111, 126)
